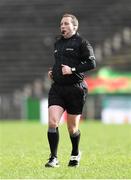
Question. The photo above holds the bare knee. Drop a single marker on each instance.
(72, 129)
(53, 123)
(55, 113)
(73, 123)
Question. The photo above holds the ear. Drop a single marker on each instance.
(75, 28)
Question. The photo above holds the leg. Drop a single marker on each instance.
(74, 106)
(55, 113)
(73, 124)
(73, 128)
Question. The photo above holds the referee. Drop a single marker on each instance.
(73, 56)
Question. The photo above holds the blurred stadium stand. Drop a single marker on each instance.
(28, 29)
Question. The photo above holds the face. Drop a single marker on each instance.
(66, 27)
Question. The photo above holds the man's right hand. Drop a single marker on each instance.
(50, 76)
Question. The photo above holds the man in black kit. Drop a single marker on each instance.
(73, 56)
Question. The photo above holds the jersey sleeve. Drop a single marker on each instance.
(88, 60)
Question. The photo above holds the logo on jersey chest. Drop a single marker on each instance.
(69, 49)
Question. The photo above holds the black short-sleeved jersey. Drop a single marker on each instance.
(75, 52)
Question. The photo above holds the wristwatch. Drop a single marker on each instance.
(73, 69)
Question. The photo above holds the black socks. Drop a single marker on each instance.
(53, 139)
(75, 139)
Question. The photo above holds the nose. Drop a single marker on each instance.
(62, 25)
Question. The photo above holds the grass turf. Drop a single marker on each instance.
(106, 151)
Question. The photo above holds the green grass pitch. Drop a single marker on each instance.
(106, 151)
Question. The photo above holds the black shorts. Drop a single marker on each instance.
(70, 97)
